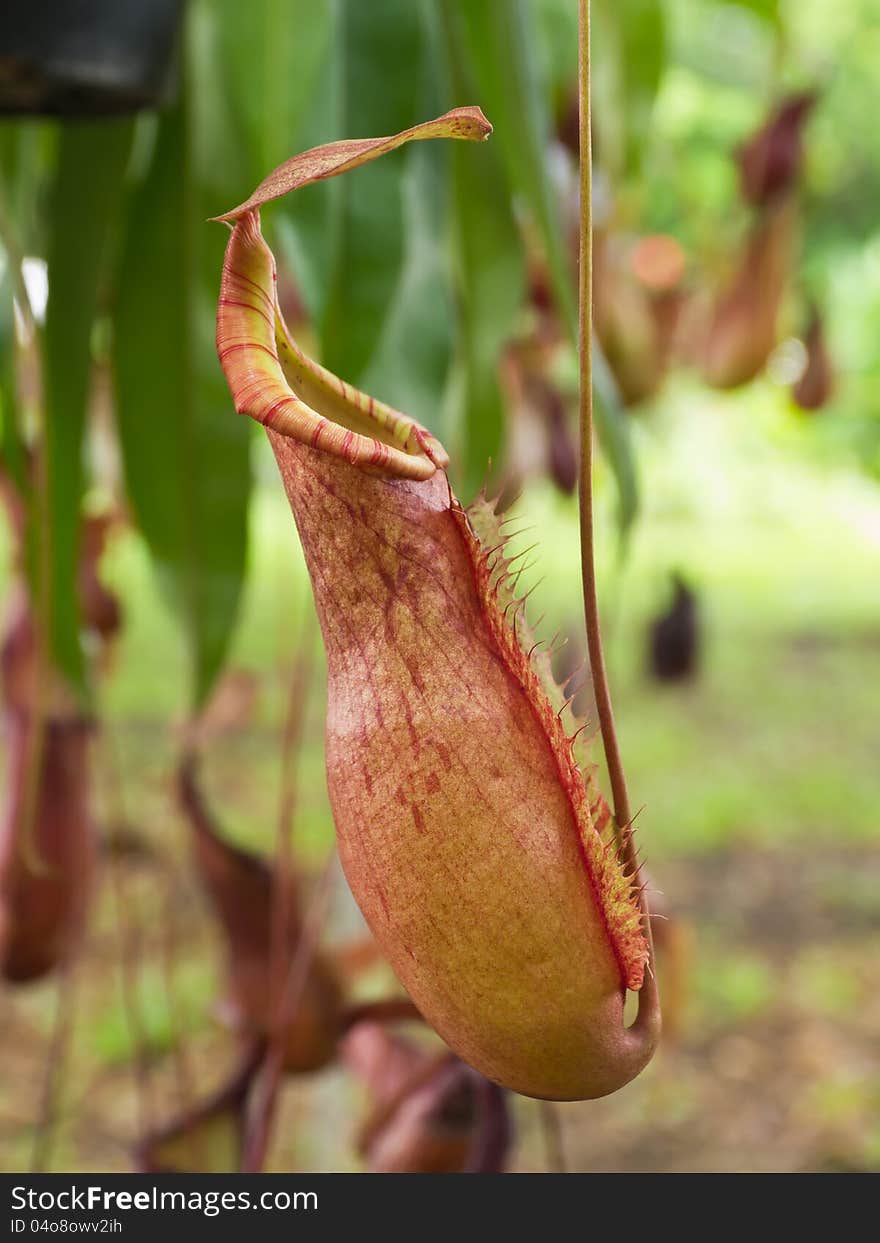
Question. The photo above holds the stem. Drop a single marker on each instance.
(56, 1066)
(260, 1125)
(384, 1110)
(15, 262)
(41, 588)
(288, 976)
(386, 1010)
(492, 1137)
(604, 709)
(128, 943)
(554, 1139)
(648, 1000)
(170, 944)
(284, 880)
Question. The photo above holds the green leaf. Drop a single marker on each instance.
(185, 452)
(381, 44)
(270, 54)
(491, 277)
(27, 158)
(491, 289)
(556, 24)
(638, 34)
(305, 223)
(13, 452)
(502, 44)
(410, 366)
(20, 170)
(92, 158)
(614, 430)
(767, 10)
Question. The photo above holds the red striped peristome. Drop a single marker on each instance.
(273, 381)
(470, 823)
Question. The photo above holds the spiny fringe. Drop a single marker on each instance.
(530, 663)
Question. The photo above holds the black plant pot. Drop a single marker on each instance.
(86, 57)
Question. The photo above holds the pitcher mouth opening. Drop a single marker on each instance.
(276, 383)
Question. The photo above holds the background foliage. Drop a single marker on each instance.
(413, 270)
(409, 278)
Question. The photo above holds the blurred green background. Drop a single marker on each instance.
(759, 774)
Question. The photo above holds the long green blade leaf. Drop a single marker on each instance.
(410, 366)
(185, 455)
(270, 54)
(382, 59)
(636, 33)
(13, 454)
(501, 44)
(92, 158)
(491, 277)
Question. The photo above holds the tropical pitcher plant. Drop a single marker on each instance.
(470, 822)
